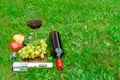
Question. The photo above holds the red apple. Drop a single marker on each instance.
(15, 46)
(18, 38)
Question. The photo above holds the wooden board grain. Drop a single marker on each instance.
(37, 59)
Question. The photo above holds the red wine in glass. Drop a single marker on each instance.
(34, 25)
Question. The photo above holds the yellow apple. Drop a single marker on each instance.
(19, 38)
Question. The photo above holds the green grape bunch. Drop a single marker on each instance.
(35, 48)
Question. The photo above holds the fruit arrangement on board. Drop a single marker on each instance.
(34, 48)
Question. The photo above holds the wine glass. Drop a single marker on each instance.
(34, 25)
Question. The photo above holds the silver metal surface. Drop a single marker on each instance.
(23, 66)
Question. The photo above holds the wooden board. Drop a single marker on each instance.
(37, 59)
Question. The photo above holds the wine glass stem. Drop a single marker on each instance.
(35, 33)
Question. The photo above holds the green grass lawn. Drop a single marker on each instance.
(90, 31)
